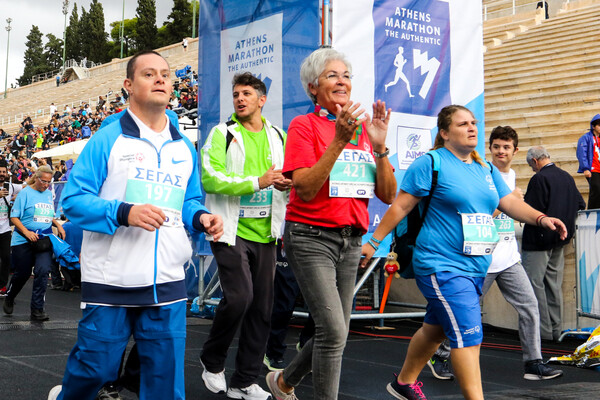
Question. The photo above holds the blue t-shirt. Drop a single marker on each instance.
(461, 188)
(35, 210)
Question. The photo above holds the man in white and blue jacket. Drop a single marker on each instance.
(134, 190)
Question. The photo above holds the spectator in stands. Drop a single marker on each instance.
(544, 5)
(101, 103)
(27, 123)
(552, 191)
(33, 217)
(588, 154)
(18, 145)
(184, 43)
(52, 109)
(125, 94)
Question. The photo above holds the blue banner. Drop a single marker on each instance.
(418, 56)
(268, 38)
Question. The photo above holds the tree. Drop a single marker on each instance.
(73, 33)
(146, 25)
(181, 21)
(53, 52)
(34, 60)
(83, 35)
(93, 36)
(129, 38)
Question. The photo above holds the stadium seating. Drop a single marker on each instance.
(35, 99)
(543, 82)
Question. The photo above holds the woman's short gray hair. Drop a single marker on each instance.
(44, 169)
(314, 65)
(537, 152)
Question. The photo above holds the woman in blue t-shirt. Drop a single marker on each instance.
(453, 249)
(33, 217)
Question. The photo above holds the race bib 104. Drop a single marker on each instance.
(353, 175)
(479, 232)
(159, 188)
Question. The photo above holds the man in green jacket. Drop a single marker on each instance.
(241, 174)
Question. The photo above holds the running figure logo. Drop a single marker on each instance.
(412, 57)
(399, 62)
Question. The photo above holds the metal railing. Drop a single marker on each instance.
(44, 112)
(68, 64)
(511, 7)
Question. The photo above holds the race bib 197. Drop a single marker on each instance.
(353, 175)
(159, 188)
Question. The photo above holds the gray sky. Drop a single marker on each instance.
(48, 16)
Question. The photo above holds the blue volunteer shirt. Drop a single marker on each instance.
(34, 209)
(461, 188)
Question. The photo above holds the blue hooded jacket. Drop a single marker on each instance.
(585, 148)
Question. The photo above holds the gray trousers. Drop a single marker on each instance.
(325, 265)
(545, 270)
(517, 290)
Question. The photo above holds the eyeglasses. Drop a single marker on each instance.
(44, 182)
(333, 77)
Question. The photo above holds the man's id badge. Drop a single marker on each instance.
(480, 235)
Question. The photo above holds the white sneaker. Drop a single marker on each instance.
(252, 392)
(216, 383)
(54, 392)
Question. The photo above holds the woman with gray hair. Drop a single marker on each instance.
(33, 217)
(337, 160)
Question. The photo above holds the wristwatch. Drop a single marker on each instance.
(381, 155)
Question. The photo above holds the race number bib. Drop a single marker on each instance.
(159, 188)
(257, 205)
(43, 213)
(505, 226)
(3, 210)
(479, 232)
(353, 175)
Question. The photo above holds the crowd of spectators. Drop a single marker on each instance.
(65, 126)
(185, 93)
(71, 124)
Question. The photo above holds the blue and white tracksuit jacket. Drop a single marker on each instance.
(123, 265)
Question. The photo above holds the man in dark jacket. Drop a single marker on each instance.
(552, 191)
(588, 154)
